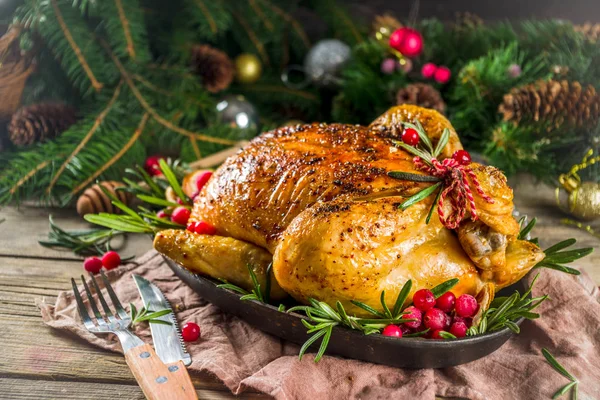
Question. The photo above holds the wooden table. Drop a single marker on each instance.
(37, 362)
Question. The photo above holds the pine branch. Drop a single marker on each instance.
(297, 27)
(261, 15)
(258, 45)
(127, 33)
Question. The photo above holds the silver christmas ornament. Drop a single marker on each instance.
(325, 60)
(237, 112)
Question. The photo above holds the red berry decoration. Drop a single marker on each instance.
(392, 330)
(442, 75)
(436, 334)
(423, 299)
(413, 313)
(190, 332)
(92, 265)
(151, 165)
(410, 136)
(111, 259)
(459, 329)
(446, 302)
(434, 319)
(428, 70)
(202, 179)
(462, 157)
(202, 228)
(448, 321)
(180, 215)
(162, 214)
(407, 41)
(466, 306)
(397, 37)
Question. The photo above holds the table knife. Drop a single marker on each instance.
(167, 339)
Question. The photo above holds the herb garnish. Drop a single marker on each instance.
(257, 293)
(145, 314)
(573, 385)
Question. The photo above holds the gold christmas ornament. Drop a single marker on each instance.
(247, 68)
(579, 199)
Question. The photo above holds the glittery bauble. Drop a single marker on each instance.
(237, 112)
(388, 66)
(514, 70)
(407, 41)
(247, 68)
(325, 60)
(582, 203)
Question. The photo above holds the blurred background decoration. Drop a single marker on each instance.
(91, 87)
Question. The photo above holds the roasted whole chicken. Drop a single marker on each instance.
(316, 201)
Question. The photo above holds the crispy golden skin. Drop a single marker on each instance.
(319, 199)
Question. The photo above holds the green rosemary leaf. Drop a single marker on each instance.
(367, 308)
(324, 343)
(330, 311)
(173, 181)
(433, 205)
(569, 256)
(556, 365)
(150, 182)
(565, 389)
(297, 308)
(416, 334)
(162, 222)
(402, 296)
(527, 315)
(559, 246)
(233, 288)
(407, 176)
(156, 314)
(159, 202)
(250, 296)
(267, 295)
(442, 142)
(483, 324)
(512, 326)
(558, 267)
(444, 287)
(257, 291)
(497, 302)
(118, 222)
(386, 310)
(341, 311)
(447, 335)
(419, 196)
(414, 151)
(472, 331)
(133, 311)
(499, 312)
(309, 342)
(281, 308)
(525, 231)
(159, 321)
(307, 324)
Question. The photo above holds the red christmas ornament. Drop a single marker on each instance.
(407, 41)
(428, 70)
(410, 137)
(190, 332)
(111, 259)
(151, 165)
(442, 74)
(462, 157)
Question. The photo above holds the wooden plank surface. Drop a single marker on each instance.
(62, 366)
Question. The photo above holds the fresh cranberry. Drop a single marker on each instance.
(152, 166)
(392, 330)
(446, 302)
(467, 321)
(436, 334)
(111, 259)
(180, 202)
(466, 306)
(442, 74)
(428, 70)
(190, 332)
(180, 215)
(459, 329)
(423, 299)
(462, 157)
(92, 265)
(202, 179)
(448, 321)
(434, 319)
(410, 136)
(202, 228)
(413, 313)
(162, 214)
(405, 329)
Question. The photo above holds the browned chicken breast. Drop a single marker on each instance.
(318, 198)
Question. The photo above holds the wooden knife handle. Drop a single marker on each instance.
(159, 381)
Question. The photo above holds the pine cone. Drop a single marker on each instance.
(421, 94)
(40, 122)
(94, 200)
(589, 30)
(385, 24)
(466, 21)
(555, 102)
(213, 66)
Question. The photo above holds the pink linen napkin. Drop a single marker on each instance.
(244, 357)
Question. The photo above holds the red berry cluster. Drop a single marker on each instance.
(110, 260)
(446, 313)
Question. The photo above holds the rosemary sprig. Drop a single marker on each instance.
(145, 314)
(573, 385)
(256, 293)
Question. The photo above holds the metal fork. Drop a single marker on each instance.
(156, 379)
(108, 323)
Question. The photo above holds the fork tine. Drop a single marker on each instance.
(103, 302)
(113, 297)
(99, 317)
(85, 317)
